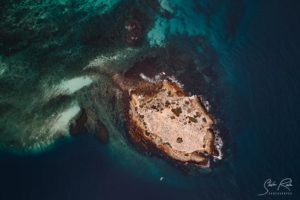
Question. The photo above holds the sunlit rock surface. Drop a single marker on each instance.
(164, 119)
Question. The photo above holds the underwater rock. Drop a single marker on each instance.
(101, 132)
(134, 32)
(87, 122)
(162, 118)
(167, 14)
(79, 126)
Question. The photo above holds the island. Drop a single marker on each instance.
(162, 118)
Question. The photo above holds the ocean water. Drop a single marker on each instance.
(242, 55)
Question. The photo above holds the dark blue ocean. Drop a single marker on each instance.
(258, 103)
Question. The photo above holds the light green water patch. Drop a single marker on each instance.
(72, 85)
(184, 21)
(157, 35)
(167, 5)
(3, 66)
(115, 60)
(62, 120)
(187, 21)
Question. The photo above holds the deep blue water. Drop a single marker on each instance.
(261, 70)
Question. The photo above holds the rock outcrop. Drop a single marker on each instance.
(162, 117)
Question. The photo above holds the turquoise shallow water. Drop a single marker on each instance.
(53, 55)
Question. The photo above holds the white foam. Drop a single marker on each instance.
(219, 144)
(160, 77)
(146, 78)
(205, 103)
(157, 78)
(174, 80)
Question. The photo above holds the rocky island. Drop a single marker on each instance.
(162, 118)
